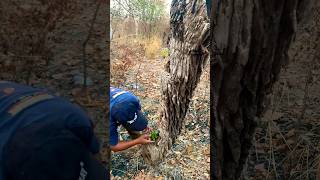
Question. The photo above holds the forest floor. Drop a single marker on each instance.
(192, 149)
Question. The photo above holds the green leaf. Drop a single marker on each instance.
(154, 135)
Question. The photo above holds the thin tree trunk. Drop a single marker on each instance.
(188, 55)
(136, 25)
(84, 45)
(250, 45)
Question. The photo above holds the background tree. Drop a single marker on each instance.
(117, 14)
(250, 45)
(189, 30)
(145, 13)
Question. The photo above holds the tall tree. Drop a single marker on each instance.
(146, 12)
(188, 55)
(250, 41)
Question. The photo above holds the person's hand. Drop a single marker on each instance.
(144, 139)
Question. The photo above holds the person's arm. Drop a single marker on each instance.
(123, 145)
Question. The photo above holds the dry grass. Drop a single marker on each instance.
(128, 51)
(152, 47)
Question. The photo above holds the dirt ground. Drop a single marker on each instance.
(192, 149)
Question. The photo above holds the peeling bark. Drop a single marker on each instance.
(250, 41)
(188, 56)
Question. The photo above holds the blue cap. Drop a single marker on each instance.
(129, 115)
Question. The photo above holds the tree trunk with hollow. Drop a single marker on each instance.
(189, 30)
(250, 45)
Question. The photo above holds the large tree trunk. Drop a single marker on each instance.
(188, 55)
(250, 43)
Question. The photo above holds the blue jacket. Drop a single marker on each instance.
(22, 105)
(116, 96)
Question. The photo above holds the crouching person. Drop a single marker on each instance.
(45, 137)
(125, 110)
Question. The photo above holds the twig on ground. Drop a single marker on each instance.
(255, 147)
(284, 139)
(308, 163)
(137, 77)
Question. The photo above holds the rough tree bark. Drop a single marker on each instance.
(188, 54)
(250, 41)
